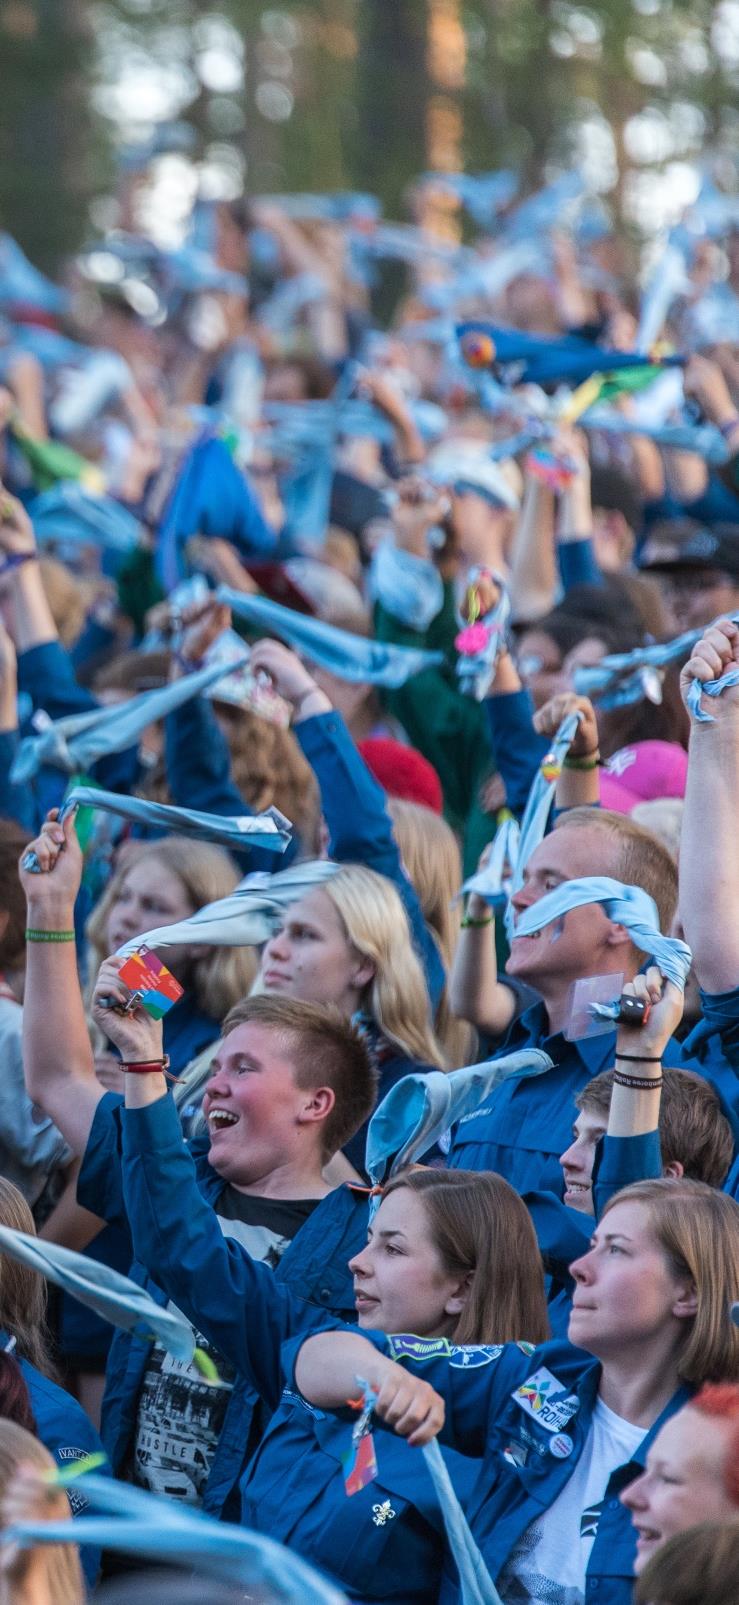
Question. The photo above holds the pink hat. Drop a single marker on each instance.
(642, 773)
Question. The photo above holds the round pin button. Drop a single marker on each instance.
(561, 1446)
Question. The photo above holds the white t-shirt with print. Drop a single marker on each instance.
(550, 1560)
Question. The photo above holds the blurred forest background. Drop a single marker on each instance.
(172, 97)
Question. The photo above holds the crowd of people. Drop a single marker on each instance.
(375, 693)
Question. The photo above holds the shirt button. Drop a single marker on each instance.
(613, 1504)
(324, 1295)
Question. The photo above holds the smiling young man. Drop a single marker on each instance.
(291, 1083)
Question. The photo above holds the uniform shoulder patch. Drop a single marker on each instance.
(468, 1356)
(526, 1348)
(419, 1348)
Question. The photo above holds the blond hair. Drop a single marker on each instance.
(377, 926)
(223, 974)
(432, 861)
(697, 1228)
(22, 1290)
(60, 1562)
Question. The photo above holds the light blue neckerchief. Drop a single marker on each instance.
(349, 657)
(489, 881)
(538, 806)
(270, 829)
(476, 1584)
(77, 741)
(629, 906)
(110, 1295)
(245, 919)
(619, 679)
(140, 1523)
(419, 1109)
(409, 587)
(709, 688)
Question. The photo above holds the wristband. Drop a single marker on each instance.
(50, 936)
(148, 1067)
(640, 1083)
(729, 427)
(639, 1058)
(15, 559)
(589, 760)
(476, 925)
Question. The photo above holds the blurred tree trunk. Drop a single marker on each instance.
(51, 154)
(392, 93)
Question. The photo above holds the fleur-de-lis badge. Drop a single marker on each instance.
(382, 1513)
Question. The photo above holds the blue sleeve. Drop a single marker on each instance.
(16, 802)
(518, 749)
(712, 1049)
(577, 564)
(622, 1160)
(99, 1184)
(235, 1301)
(46, 673)
(66, 1432)
(562, 1233)
(198, 766)
(360, 827)
(471, 1393)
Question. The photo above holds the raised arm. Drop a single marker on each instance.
(709, 862)
(235, 1301)
(57, 1055)
(631, 1149)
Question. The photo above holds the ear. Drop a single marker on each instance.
(618, 936)
(318, 1105)
(364, 973)
(457, 1300)
(686, 1303)
(674, 1168)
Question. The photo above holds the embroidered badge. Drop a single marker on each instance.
(468, 1356)
(544, 1398)
(383, 1513)
(419, 1348)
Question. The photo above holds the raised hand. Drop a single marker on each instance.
(58, 851)
(717, 651)
(549, 718)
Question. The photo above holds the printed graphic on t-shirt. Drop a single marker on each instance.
(521, 1582)
(180, 1416)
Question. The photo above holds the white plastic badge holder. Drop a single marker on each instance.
(592, 989)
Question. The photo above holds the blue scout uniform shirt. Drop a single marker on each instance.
(526, 1125)
(527, 1412)
(68, 1434)
(385, 1543)
(314, 1266)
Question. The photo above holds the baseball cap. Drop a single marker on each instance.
(643, 772)
(688, 544)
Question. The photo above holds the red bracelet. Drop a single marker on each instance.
(148, 1067)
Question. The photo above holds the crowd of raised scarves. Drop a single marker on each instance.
(344, 744)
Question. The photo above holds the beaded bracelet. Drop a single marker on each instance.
(50, 936)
